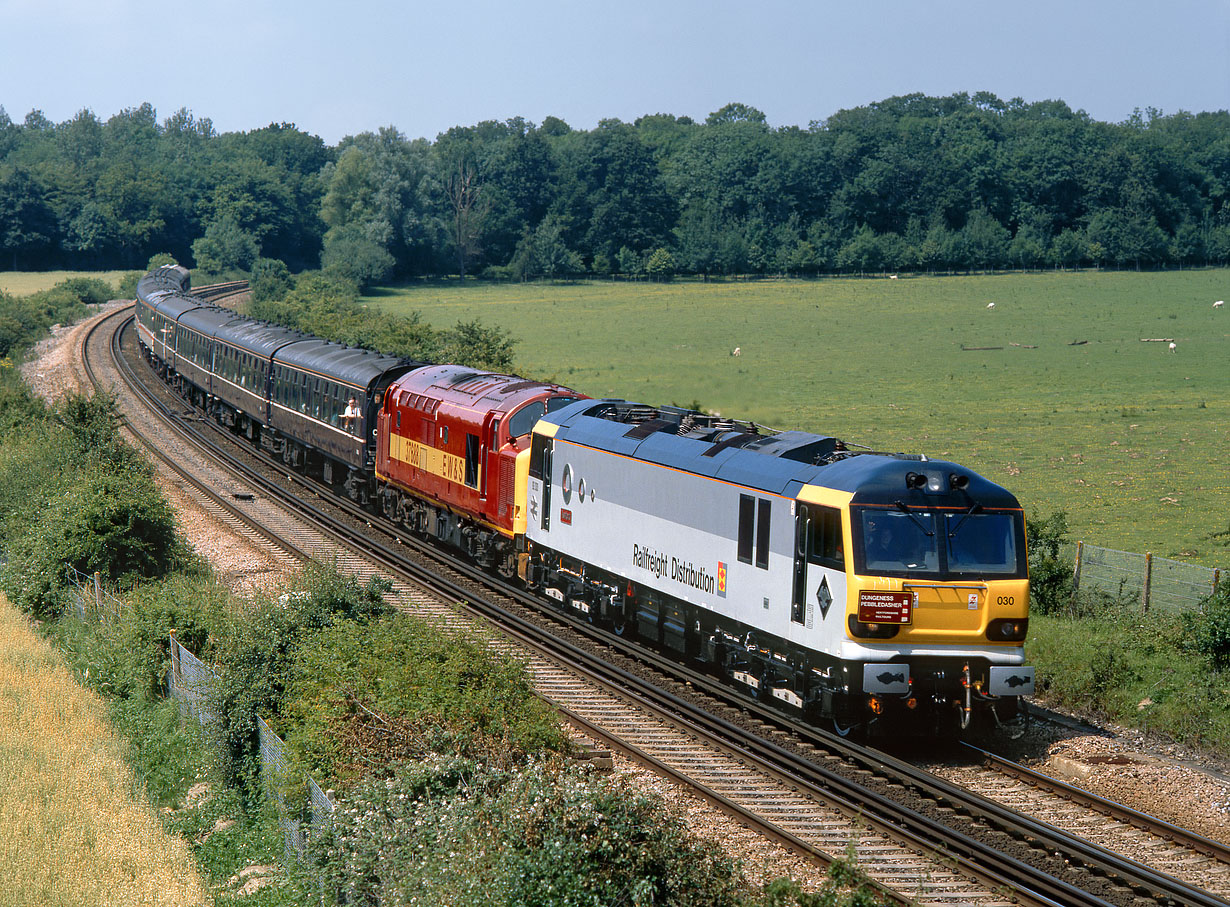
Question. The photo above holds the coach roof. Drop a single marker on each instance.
(346, 364)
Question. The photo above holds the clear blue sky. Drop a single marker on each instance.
(338, 68)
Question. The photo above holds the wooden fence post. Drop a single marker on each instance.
(1148, 581)
(176, 671)
(1076, 575)
(1216, 579)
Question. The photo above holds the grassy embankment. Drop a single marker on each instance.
(74, 833)
(1126, 437)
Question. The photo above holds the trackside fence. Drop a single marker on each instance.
(1142, 580)
(193, 684)
(90, 599)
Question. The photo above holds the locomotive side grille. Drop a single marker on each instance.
(508, 468)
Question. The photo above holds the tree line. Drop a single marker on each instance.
(964, 182)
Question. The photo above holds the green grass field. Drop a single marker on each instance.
(23, 283)
(1070, 410)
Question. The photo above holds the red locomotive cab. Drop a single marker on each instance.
(448, 439)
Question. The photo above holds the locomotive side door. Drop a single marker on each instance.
(819, 564)
(541, 455)
(802, 545)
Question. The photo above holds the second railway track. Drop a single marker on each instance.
(923, 840)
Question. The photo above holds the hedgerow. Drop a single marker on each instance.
(72, 494)
(365, 695)
(256, 648)
(447, 830)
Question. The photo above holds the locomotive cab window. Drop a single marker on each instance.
(540, 449)
(954, 543)
(522, 421)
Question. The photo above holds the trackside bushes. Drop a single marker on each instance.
(71, 493)
(452, 831)
(363, 696)
(255, 650)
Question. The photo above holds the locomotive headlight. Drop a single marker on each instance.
(1008, 629)
(935, 484)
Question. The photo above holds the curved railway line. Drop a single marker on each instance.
(921, 839)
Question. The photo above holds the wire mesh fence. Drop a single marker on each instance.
(90, 599)
(1144, 581)
(304, 820)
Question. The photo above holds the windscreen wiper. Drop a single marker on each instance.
(901, 505)
(976, 508)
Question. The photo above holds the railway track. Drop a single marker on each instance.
(922, 840)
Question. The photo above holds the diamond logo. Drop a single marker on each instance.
(824, 598)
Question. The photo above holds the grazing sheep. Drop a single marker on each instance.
(1219, 303)
(736, 352)
(990, 305)
(892, 276)
(1172, 346)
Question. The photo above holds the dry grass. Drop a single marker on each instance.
(73, 834)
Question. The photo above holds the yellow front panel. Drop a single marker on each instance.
(826, 497)
(521, 492)
(950, 613)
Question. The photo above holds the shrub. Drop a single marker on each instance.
(127, 286)
(270, 280)
(256, 648)
(451, 831)
(1207, 631)
(1050, 574)
(26, 318)
(472, 344)
(158, 259)
(88, 290)
(73, 494)
(19, 407)
(106, 522)
(366, 695)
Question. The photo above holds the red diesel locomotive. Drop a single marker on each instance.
(450, 441)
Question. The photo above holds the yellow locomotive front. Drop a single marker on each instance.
(936, 596)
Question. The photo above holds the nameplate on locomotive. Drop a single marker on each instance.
(884, 607)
